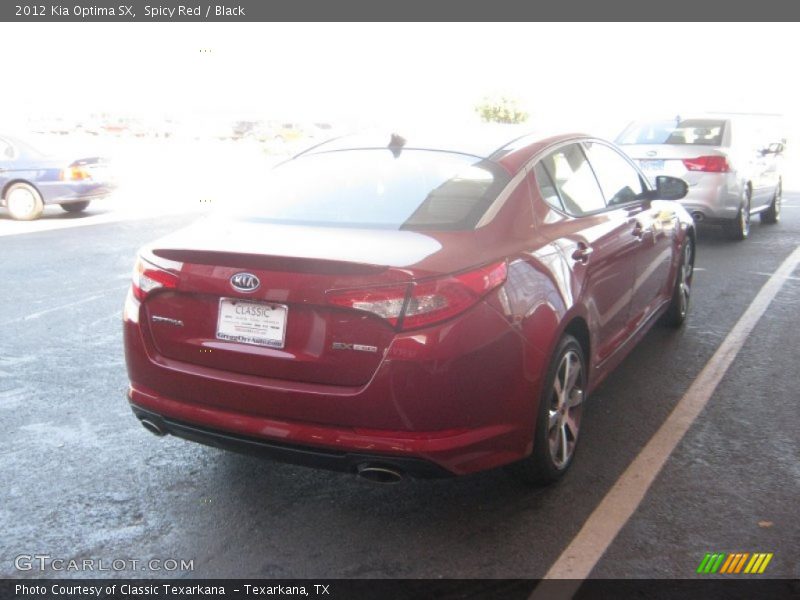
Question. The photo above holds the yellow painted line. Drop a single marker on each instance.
(753, 560)
(601, 528)
(765, 563)
(755, 563)
(728, 561)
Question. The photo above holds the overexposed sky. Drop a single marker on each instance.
(575, 74)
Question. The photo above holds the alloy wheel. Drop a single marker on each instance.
(21, 201)
(687, 269)
(566, 406)
(744, 220)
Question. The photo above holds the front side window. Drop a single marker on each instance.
(373, 188)
(574, 180)
(619, 181)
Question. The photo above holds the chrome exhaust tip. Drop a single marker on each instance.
(698, 216)
(152, 427)
(379, 474)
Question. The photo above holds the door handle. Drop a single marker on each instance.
(582, 254)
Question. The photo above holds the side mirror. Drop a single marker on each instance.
(670, 188)
(775, 148)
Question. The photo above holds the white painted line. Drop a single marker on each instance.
(579, 558)
(61, 307)
(791, 277)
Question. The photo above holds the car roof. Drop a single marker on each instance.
(497, 143)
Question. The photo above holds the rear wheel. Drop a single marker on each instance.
(75, 207)
(679, 307)
(739, 229)
(773, 214)
(24, 202)
(559, 418)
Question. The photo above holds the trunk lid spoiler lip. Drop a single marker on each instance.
(289, 247)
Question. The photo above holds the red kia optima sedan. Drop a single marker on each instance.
(394, 306)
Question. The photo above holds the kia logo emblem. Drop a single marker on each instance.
(652, 153)
(245, 282)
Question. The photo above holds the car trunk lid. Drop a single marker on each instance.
(668, 159)
(295, 267)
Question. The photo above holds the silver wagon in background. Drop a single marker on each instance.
(731, 163)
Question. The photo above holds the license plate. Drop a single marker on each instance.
(651, 165)
(258, 323)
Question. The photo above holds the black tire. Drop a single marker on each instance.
(772, 215)
(681, 290)
(23, 201)
(551, 458)
(76, 207)
(739, 228)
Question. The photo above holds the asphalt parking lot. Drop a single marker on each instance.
(82, 479)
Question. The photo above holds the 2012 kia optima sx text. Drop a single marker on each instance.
(391, 306)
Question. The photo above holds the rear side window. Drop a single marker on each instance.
(14, 148)
(546, 187)
(574, 180)
(619, 181)
(373, 188)
(698, 132)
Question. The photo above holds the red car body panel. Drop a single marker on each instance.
(461, 394)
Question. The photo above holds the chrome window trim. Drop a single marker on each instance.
(499, 202)
(527, 168)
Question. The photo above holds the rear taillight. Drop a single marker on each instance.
(415, 305)
(386, 302)
(709, 164)
(75, 174)
(147, 277)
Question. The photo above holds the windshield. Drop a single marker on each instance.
(699, 132)
(373, 188)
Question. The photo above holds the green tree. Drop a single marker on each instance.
(501, 110)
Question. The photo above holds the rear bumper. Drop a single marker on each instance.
(713, 196)
(66, 192)
(454, 452)
(347, 462)
(463, 404)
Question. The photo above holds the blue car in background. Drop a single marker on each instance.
(29, 180)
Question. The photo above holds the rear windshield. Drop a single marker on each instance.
(417, 189)
(698, 132)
